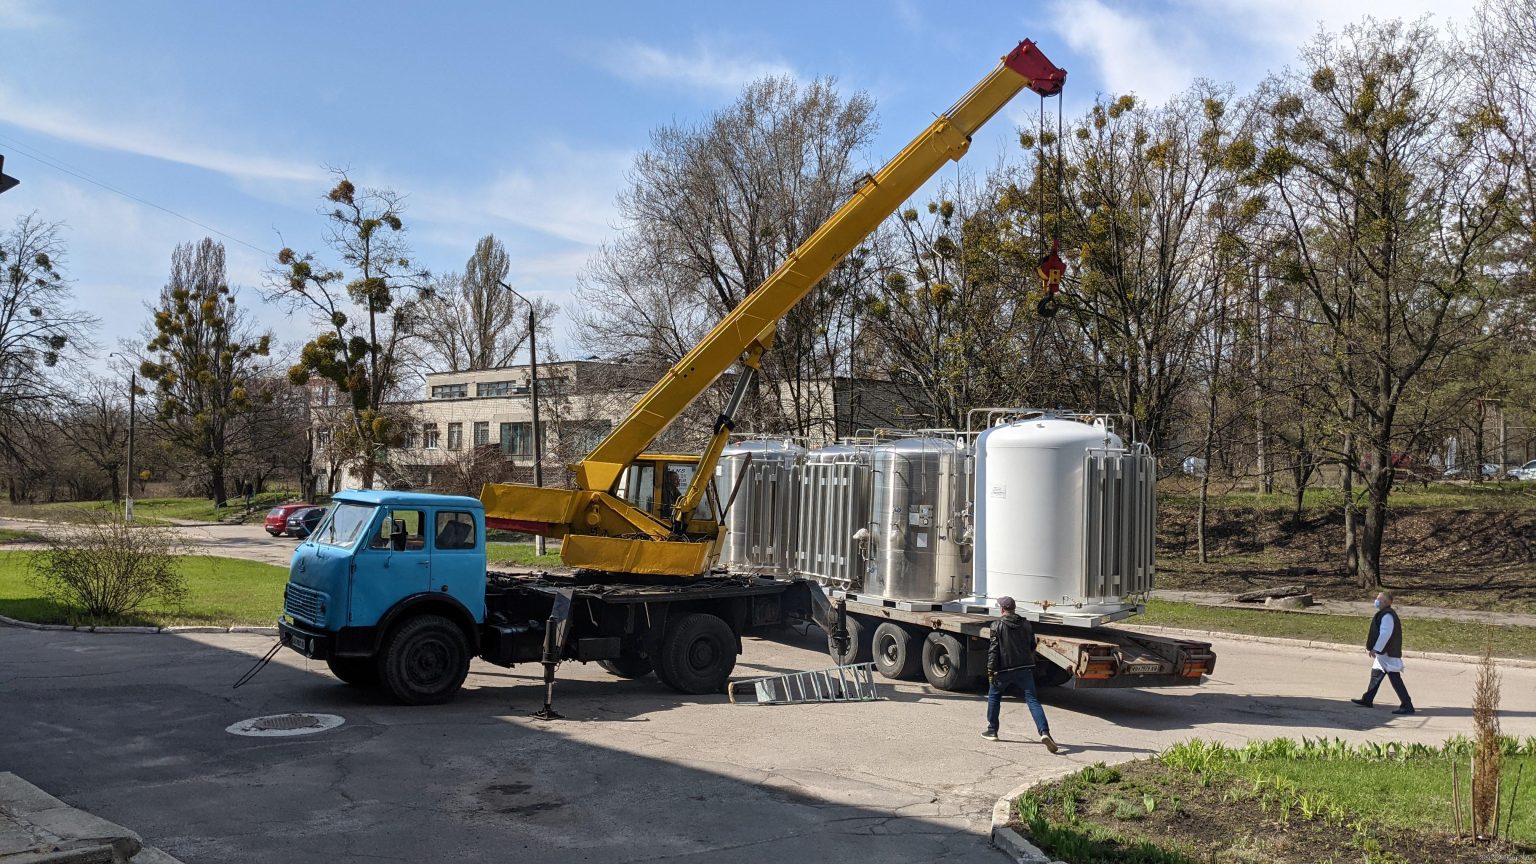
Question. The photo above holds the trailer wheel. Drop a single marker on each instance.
(357, 671)
(698, 652)
(944, 662)
(859, 640)
(895, 651)
(1048, 674)
(424, 661)
(630, 664)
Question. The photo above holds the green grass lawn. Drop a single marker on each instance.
(522, 554)
(1454, 637)
(150, 511)
(220, 591)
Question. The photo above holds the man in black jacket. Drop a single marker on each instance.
(1011, 667)
(1385, 645)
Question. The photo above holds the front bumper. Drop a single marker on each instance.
(310, 643)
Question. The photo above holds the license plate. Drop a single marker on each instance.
(1143, 669)
(298, 643)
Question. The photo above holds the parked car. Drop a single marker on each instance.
(277, 517)
(1464, 472)
(1524, 472)
(304, 522)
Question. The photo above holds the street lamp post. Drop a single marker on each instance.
(133, 392)
(533, 391)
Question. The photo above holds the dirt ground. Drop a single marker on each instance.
(1472, 559)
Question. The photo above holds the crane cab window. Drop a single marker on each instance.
(638, 486)
(655, 493)
(413, 520)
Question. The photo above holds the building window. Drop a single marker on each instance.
(455, 436)
(517, 440)
(501, 388)
(450, 391)
(482, 434)
(429, 436)
(410, 439)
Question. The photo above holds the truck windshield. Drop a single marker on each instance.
(345, 524)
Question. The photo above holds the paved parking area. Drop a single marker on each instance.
(132, 728)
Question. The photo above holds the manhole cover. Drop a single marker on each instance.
(286, 721)
(285, 724)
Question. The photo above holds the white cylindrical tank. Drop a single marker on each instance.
(1030, 509)
(760, 523)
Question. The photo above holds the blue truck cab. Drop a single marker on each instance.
(382, 564)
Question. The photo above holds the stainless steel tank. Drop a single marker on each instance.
(760, 524)
(832, 507)
(919, 546)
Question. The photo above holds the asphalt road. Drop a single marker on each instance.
(131, 727)
(251, 542)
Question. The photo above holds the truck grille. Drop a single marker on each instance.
(305, 604)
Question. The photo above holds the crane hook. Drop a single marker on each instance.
(1051, 269)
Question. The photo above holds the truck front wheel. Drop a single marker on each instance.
(698, 652)
(424, 660)
(896, 651)
(358, 671)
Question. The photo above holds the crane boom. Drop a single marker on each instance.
(592, 519)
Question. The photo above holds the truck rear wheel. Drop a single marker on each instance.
(859, 640)
(944, 662)
(629, 664)
(896, 652)
(424, 660)
(698, 652)
(357, 671)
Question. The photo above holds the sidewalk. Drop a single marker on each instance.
(1358, 608)
(37, 828)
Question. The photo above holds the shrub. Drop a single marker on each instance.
(103, 567)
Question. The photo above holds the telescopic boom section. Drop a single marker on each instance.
(946, 139)
(751, 324)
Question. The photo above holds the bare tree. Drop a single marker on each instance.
(40, 333)
(470, 321)
(712, 210)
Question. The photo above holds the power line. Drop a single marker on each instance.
(60, 165)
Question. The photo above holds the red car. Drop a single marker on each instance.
(277, 520)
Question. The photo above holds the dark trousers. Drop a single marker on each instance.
(1021, 682)
(1397, 684)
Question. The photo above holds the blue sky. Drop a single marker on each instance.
(517, 119)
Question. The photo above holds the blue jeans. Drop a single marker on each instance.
(1022, 682)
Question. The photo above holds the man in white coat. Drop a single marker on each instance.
(1385, 645)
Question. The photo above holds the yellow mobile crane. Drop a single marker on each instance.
(629, 512)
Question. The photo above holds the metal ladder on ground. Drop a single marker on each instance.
(853, 683)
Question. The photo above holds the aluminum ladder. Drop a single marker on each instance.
(853, 683)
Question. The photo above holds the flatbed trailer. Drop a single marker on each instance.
(1074, 649)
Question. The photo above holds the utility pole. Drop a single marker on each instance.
(133, 393)
(539, 545)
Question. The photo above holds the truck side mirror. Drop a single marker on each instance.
(398, 535)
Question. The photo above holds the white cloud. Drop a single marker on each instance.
(709, 67)
(182, 147)
(560, 191)
(1131, 54)
(23, 15)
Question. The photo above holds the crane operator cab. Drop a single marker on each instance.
(655, 483)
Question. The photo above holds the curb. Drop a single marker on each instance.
(40, 829)
(1009, 841)
(1509, 662)
(88, 628)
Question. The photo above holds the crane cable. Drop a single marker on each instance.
(1051, 268)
